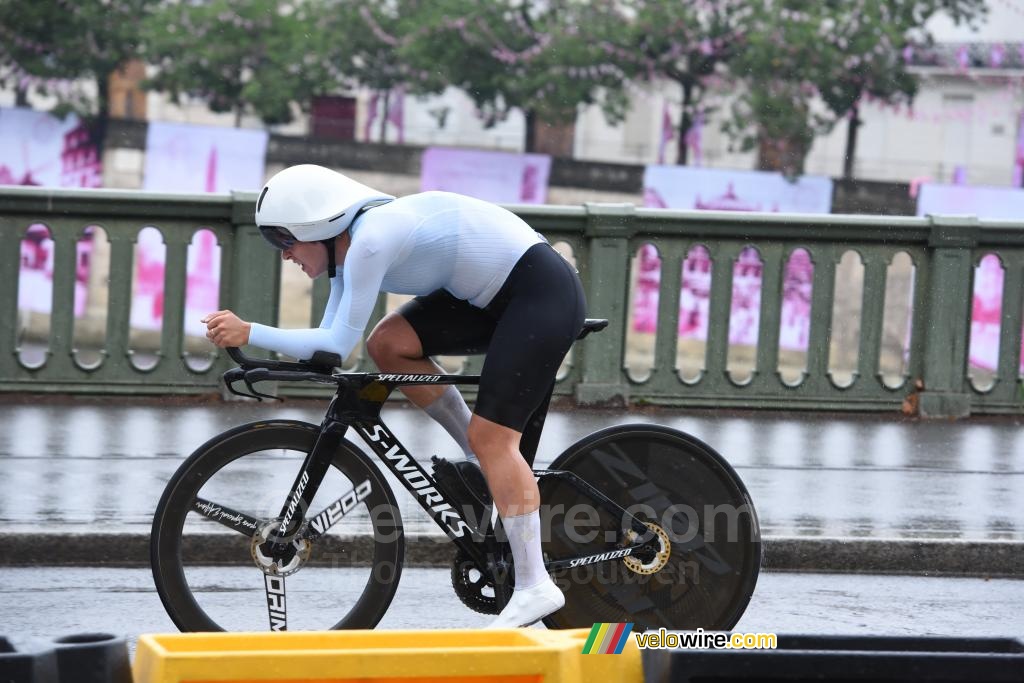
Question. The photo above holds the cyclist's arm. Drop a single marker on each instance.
(337, 287)
(366, 264)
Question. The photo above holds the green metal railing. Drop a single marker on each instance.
(603, 239)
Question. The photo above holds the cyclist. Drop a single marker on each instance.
(483, 280)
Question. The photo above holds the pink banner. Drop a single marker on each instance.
(35, 279)
(190, 158)
(745, 312)
(42, 150)
(986, 310)
(684, 187)
(202, 281)
(987, 314)
(500, 177)
(1018, 160)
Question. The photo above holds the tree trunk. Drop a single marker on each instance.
(531, 130)
(20, 97)
(785, 155)
(98, 126)
(685, 123)
(852, 125)
(384, 117)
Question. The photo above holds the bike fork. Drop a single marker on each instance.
(303, 489)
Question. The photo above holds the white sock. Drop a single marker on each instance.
(523, 533)
(451, 412)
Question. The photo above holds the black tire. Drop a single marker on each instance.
(711, 571)
(210, 581)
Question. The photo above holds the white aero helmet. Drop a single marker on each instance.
(309, 203)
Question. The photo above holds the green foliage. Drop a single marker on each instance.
(770, 58)
(237, 55)
(372, 44)
(840, 50)
(688, 43)
(863, 45)
(68, 40)
(530, 55)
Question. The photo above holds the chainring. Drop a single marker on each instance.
(475, 588)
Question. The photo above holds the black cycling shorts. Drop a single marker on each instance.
(525, 331)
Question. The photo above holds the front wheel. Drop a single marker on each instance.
(703, 566)
(210, 527)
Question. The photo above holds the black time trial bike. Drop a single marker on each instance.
(285, 525)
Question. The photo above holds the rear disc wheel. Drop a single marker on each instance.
(702, 566)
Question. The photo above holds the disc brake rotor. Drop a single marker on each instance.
(267, 564)
(661, 555)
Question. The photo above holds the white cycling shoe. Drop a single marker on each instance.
(529, 605)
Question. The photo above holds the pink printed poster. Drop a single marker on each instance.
(703, 189)
(500, 177)
(986, 313)
(37, 149)
(994, 203)
(35, 279)
(188, 158)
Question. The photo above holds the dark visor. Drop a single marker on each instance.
(278, 237)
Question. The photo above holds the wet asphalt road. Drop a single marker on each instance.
(43, 603)
(101, 465)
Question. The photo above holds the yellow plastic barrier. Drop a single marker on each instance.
(508, 656)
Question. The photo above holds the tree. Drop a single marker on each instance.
(837, 50)
(773, 109)
(529, 55)
(238, 56)
(687, 43)
(866, 48)
(374, 51)
(42, 43)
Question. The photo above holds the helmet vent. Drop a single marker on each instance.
(260, 202)
(331, 220)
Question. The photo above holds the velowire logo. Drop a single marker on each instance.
(607, 639)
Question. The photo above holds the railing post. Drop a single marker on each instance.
(10, 269)
(60, 360)
(121, 235)
(255, 267)
(947, 328)
(608, 230)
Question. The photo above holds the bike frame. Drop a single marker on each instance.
(357, 404)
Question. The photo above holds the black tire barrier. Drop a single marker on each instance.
(26, 667)
(845, 658)
(79, 658)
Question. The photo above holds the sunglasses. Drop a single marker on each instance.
(278, 237)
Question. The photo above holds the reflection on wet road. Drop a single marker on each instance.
(102, 465)
(60, 601)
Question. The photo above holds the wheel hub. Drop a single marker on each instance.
(266, 563)
(661, 553)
